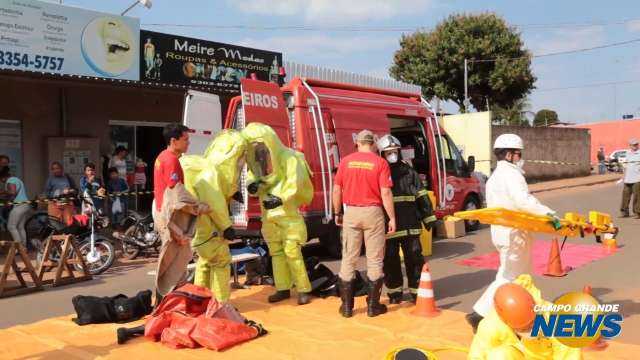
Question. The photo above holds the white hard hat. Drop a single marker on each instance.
(388, 142)
(508, 141)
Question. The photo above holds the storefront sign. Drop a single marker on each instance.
(187, 61)
(40, 36)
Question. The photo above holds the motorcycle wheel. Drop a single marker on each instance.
(130, 251)
(107, 255)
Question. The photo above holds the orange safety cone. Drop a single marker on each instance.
(425, 303)
(599, 344)
(554, 265)
(609, 245)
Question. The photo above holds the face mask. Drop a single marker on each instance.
(392, 158)
(520, 163)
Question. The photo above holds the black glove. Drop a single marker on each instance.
(229, 233)
(428, 225)
(253, 187)
(238, 197)
(272, 202)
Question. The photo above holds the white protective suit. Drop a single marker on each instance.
(507, 188)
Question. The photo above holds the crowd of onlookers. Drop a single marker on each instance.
(65, 197)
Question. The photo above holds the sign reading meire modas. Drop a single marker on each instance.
(186, 61)
(46, 37)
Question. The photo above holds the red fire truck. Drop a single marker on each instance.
(321, 119)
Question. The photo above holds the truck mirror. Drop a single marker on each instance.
(471, 163)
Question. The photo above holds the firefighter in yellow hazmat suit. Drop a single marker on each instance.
(213, 179)
(504, 334)
(281, 178)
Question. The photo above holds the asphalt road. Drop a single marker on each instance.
(614, 279)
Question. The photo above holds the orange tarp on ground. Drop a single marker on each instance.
(314, 331)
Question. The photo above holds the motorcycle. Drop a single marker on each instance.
(139, 235)
(96, 249)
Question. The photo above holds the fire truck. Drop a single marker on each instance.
(321, 119)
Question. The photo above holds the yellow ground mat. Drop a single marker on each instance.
(314, 331)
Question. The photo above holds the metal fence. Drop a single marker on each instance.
(322, 73)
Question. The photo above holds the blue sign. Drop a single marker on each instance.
(46, 37)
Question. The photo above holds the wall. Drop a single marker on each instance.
(472, 133)
(612, 135)
(552, 144)
(41, 105)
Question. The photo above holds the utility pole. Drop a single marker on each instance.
(466, 89)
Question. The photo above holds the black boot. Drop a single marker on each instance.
(304, 298)
(279, 296)
(395, 297)
(474, 320)
(374, 308)
(346, 294)
(125, 334)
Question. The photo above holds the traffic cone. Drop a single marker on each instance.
(609, 245)
(599, 344)
(554, 266)
(425, 303)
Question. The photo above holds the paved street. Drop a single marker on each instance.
(613, 279)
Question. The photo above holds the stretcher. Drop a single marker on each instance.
(571, 225)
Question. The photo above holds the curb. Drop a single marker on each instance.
(575, 185)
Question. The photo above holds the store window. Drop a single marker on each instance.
(11, 145)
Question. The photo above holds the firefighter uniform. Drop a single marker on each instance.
(413, 207)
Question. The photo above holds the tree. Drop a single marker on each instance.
(512, 115)
(499, 66)
(546, 117)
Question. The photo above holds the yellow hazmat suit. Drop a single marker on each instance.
(283, 179)
(213, 179)
(495, 340)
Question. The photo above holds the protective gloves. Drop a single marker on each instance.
(253, 187)
(229, 233)
(555, 221)
(238, 197)
(428, 225)
(271, 202)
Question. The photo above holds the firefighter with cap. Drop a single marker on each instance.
(505, 334)
(413, 209)
(281, 178)
(507, 188)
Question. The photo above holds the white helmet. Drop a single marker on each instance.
(388, 142)
(508, 141)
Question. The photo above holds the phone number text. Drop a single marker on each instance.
(41, 62)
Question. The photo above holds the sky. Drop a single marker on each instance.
(591, 86)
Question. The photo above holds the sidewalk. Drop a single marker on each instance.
(573, 182)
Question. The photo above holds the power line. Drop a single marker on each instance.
(589, 85)
(381, 28)
(620, 43)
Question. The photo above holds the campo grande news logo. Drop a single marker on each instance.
(577, 319)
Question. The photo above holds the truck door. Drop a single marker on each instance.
(263, 102)
(456, 174)
(202, 114)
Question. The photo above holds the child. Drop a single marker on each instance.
(92, 184)
(117, 185)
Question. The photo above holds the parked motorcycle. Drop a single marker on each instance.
(139, 235)
(96, 249)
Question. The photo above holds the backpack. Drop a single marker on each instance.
(111, 309)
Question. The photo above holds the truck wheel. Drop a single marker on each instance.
(471, 203)
(332, 241)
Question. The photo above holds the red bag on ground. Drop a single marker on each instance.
(219, 334)
(190, 300)
(178, 335)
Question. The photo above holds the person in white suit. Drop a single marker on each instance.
(507, 188)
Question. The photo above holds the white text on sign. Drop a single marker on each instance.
(260, 100)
